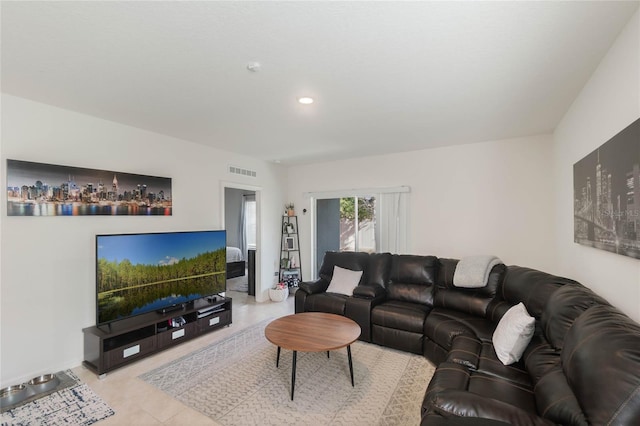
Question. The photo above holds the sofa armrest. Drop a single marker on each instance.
(359, 308)
(465, 350)
(313, 287)
(451, 402)
(369, 291)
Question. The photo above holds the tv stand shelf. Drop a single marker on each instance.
(122, 342)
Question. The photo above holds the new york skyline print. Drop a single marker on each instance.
(39, 189)
(606, 195)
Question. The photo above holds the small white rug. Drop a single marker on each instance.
(76, 405)
(236, 382)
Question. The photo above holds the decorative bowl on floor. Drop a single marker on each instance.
(278, 294)
(12, 395)
(43, 383)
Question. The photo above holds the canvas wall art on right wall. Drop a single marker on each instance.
(606, 195)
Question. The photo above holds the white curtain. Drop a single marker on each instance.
(243, 233)
(391, 221)
(248, 221)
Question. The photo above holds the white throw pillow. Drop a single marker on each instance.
(513, 334)
(344, 281)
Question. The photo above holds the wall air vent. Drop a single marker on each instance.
(240, 171)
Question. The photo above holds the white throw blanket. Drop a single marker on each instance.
(473, 271)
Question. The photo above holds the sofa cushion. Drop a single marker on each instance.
(397, 339)
(480, 327)
(563, 308)
(540, 357)
(344, 281)
(313, 287)
(412, 279)
(556, 401)
(478, 409)
(437, 420)
(513, 333)
(448, 375)
(354, 261)
(443, 328)
(467, 339)
(400, 315)
(465, 350)
(434, 352)
(332, 303)
(456, 391)
(472, 301)
(601, 361)
(369, 291)
(413, 269)
(379, 269)
(531, 287)
(497, 308)
(489, 364)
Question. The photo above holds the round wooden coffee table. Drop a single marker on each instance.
(312, 332)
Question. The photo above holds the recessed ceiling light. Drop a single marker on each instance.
(254, 66)
(305, 100)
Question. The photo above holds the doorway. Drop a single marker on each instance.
(242, 226)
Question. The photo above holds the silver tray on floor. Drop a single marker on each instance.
(36, 388)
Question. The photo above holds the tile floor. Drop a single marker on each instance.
(138, 403)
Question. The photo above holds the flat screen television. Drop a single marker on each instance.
(140, 273)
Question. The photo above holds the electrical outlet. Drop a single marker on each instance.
(275, 274)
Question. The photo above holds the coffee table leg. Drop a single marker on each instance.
(327, 354)
(278, 357)
(350, 364)
(293, 373)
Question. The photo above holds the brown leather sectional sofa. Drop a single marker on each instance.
(582, 366)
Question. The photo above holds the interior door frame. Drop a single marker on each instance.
(258, 191)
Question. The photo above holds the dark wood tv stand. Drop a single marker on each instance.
(112, 346)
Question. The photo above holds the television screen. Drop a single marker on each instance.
(140, 273)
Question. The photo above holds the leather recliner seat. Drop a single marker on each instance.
(398, 321)
(313, 296)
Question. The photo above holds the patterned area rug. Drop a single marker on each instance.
(236, 382)
(74, 405)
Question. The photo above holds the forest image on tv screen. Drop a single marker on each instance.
(139, 273)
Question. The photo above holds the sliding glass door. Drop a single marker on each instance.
(345, 224)
(358, 224)
(351, 220)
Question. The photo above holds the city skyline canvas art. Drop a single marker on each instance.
(606, 195)
(39, 189)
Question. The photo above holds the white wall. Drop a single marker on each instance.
(607, 104)
(47, 281)
(484, 198)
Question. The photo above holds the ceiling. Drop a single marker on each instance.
(386, 76)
